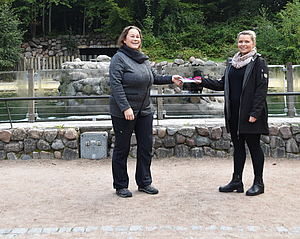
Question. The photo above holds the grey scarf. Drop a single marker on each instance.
(239, 61)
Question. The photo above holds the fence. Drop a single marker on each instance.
(48, 63)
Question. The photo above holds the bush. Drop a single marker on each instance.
(10, 38)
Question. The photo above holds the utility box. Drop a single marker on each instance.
(93, 145)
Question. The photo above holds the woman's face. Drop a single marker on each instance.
(245, 44)
(133, 39)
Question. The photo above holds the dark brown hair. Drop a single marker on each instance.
(124, 33)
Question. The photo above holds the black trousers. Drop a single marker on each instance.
(239, 155)
(123, 129)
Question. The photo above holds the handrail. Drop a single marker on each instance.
(152, 96)
(107, 96)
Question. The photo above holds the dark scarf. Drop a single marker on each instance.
(138, 56)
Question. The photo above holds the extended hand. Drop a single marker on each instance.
(176, 80)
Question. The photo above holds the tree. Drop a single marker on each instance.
(10, 38)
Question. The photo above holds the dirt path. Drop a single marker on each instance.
(79, 193)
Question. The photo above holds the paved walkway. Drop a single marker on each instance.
(75, 199)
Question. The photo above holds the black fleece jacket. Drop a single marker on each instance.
(131, 78)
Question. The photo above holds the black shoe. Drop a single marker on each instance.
(149, 189)
(257, 188)
(235, 184)
(123, 192)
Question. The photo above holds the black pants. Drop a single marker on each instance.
(239, 155)
(123, 129)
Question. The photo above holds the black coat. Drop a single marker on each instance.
(253, 97)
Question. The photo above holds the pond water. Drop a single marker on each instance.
(47, 83)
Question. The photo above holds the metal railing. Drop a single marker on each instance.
(157, 96)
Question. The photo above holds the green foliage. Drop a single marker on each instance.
(10, 38)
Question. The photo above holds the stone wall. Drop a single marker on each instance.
(186, 141)
(39, 144)
(46, 46)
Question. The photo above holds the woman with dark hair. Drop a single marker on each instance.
(131, 78)
(245, 86)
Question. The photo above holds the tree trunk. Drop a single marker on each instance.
(83, 27)
(43, 19)
(50, 16)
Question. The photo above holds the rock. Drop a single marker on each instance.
(5, 136)
(103, 58)
(18, 134)
(2, 154)
(162, 152)
(295, 128)
(69, 154)
(210, 63)
(172, 130)
(196, 152)
(180, 139)
(43, 145)
(35, 133)
(57, 154)
(274, 131)
(216, 133)
(57, 144)
(29, 145)
(12, 147)
(203, 131)
(198, 62)
(278, 152)
(182, 151)
(157, 142)
(209, 151)
(266, 150)
(46, 155)
(25, 157)
(161, 132)
(276, 141)
(35, 155)
(285, 132)
(192, 59)
(190, 142)
(187, 131)
(179, 61)
(70, 133)
(291, 146)
(202, 141)
(73, 144)
(222, 144)
(169, 142)
(11, 156)
(220, 154)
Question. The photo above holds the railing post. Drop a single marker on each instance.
(290, 88)
(160, 109)
(31, 114)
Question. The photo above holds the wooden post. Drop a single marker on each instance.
(39, 63)
(160, 108)
(290, 88)
(31, 94)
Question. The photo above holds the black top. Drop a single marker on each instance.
(236, 77)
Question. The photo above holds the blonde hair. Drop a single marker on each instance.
(124, 33)
(248, 32)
